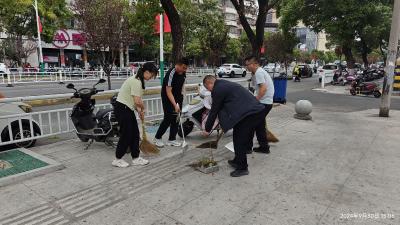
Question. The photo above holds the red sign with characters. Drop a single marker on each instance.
(62, 39)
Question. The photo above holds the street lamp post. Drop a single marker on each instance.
(41, 65)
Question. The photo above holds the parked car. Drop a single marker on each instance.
(304, 70)
(231, 70)
(272, 68)
(5, 124)
(328, 71)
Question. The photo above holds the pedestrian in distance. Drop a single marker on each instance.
(172, 99)
(264, 87)
(236, 108)
(130, 99)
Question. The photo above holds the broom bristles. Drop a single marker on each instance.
(146, 146)
(271, 137)
(149, 148)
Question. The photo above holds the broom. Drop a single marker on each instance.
(270, 136)
(146, 146)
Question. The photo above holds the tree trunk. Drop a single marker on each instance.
(349, 58)
(260, 26)
(176, 29)
(364, 53)
(257, 39)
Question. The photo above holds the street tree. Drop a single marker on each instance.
(107, 26)
(279, 47)
(18, 21)
(233, 50)
(176, 29)
(204, 25)
(146, 42)
(343, 21)
(256, 38)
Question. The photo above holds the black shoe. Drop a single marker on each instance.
(249, 151)
(239, 173)
(233, 163)
(264, 150)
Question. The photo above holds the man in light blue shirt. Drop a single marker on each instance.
(265, 94)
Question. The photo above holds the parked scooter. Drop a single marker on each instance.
(102, 127)
(365, 88)
(338, 79)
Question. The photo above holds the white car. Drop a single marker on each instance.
(7, 109)
(231, 70)
(328, 71)
(272, 68)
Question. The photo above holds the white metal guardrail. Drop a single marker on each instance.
(19, 77)
(49, 123)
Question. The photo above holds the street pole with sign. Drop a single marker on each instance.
(41, 65)
(391, 61)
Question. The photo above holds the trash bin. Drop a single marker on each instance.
(280, 85)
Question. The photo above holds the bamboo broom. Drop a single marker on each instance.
(146, 146)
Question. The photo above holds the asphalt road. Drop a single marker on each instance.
(332, 102)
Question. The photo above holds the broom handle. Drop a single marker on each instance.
(144, 136)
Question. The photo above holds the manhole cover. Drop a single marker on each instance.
(15, 161)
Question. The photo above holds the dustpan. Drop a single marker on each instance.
(146, 146)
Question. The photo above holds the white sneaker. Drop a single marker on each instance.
(139, 161)
(120, 163)
(174, 143)
(158, 142)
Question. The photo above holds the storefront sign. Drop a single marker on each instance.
(68, 39)
(61, 39)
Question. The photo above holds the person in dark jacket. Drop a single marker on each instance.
(236, 108)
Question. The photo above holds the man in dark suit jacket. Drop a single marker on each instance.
(236, 108)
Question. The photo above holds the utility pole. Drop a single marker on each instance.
(391, 61)
(41, 65)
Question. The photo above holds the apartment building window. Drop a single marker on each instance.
(269, 17)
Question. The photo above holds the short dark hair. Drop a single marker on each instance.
(183, 61)
(252, 58)
(208, 78)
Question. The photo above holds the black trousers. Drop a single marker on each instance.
(129, 131)
(260, 130)
(243, 133)
(169, 120)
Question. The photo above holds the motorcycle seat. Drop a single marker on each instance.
(102, 112)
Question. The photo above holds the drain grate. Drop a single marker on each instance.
(15, 161)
